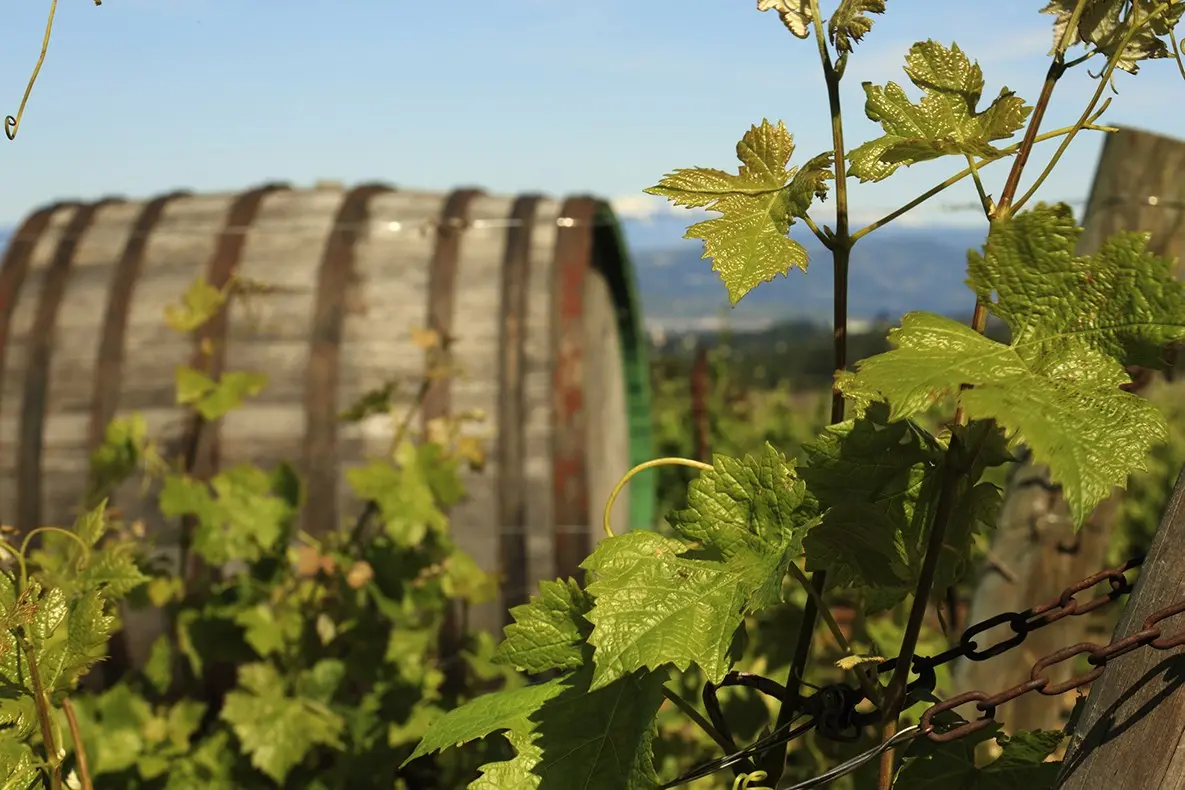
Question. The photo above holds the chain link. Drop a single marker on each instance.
(1021, 623)
(1098, 655)
(825, 715)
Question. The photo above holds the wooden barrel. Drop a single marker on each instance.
(537, 294)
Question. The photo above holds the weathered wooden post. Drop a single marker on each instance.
(1138, 185)
(1131, 735)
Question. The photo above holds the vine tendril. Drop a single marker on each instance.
(78, 566)
(745, 781)
(11, 123)
(667, 461)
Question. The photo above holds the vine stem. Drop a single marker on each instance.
(841, 247)
(41, 703)
(867, 683)
(1103, 79)
(895, 695)
(84, 771)
(957, 177)
(700, 721)
(984, 199)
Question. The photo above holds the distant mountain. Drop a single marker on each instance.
(893, 270)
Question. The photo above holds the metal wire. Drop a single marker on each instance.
(845, 768)
(785, 734)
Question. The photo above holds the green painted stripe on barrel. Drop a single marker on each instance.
(611, 251)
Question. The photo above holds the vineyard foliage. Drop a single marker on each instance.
(285, 659)
(880, 505)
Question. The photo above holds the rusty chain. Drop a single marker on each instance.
(1021, 623)
(1149, 635)
(834, 716)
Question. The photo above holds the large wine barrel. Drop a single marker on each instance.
(537, 294)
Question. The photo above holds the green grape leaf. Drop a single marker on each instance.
(1104, 23)
(114, 728)
(199, 304)
(944, 122)
(264, 632)
(229, 392)
(500, 710)
(18, 765)
(848, 24)
(951, 766)
(322, 680)
(516, 772)
(372, 402)
(549, 632)
(275, 729)
(158, 669)
(110, 568)
(405, 494)
(441, 472)
(660, 600)
(795, 14)
(52, 608)
(593, 739)
(210, 764)
(877, 484)
(1076, 321)
(88, 630)
(239, 520)
(214, 399)
(18, 716)
(192, 385)
(599, 739)
(748, 244)
(124, 446)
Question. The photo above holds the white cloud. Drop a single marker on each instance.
(648, 208)
(638, 207)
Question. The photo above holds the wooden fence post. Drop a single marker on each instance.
(1035, 552)
(1131, 735)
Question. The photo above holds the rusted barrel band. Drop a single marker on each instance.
(39, 352)
(321, 408)
(109, 362)
(202, 442)
(511, 447)
(16, 266)
(442, 294)
(570, 474)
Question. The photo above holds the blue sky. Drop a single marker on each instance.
(139, 97)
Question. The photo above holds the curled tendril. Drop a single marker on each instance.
(11, 123)
(745, 781)
(668, 461)
(22, 560)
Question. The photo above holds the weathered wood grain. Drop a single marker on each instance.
(107, 352)
(1131, 735)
